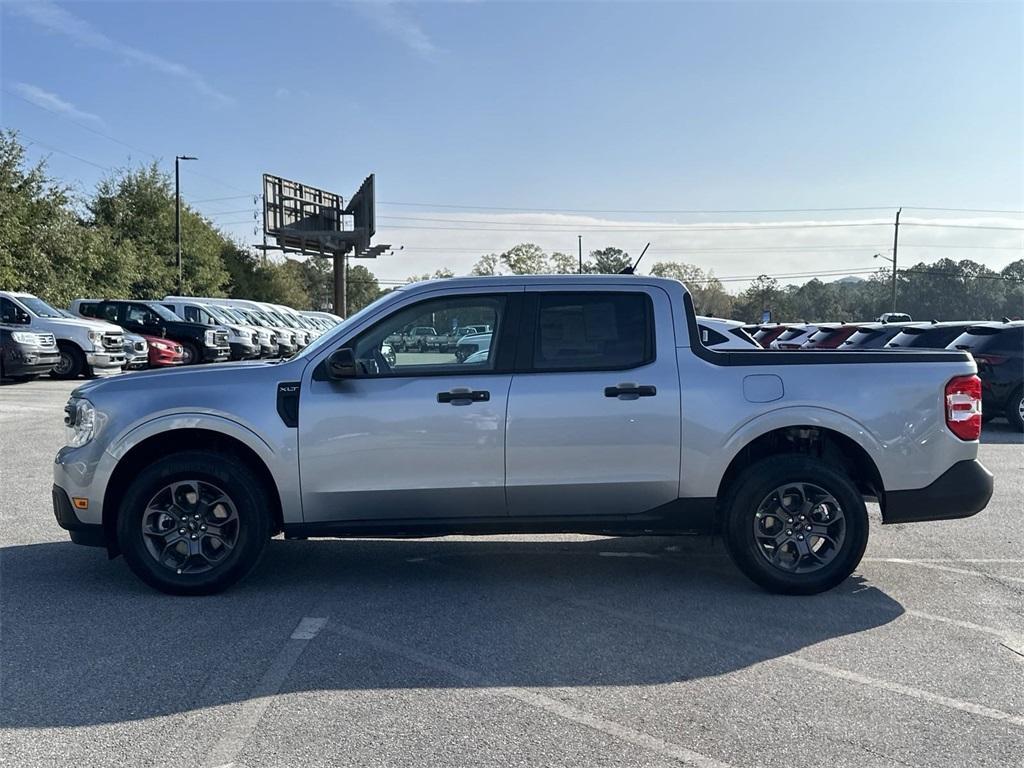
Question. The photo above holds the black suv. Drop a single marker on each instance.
(998, 349)
(199, 343)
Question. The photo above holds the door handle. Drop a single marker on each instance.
(464, 396)
(631, 391)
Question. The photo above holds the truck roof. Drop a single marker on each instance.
(467, 282)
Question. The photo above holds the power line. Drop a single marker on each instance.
(526, 209)
(66, 153)
(683, 228)
(959, 210)
(109, 138)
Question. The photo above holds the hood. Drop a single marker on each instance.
(226, 374)
(80, 322)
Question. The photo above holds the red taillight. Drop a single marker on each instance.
(963, 407)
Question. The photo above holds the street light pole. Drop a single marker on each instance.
(895, 245)
(580, 240)
(177, 213)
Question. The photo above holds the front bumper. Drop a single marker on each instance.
(216, 354)
(241, 351)
(961, 491)
(105, 362)
(29, 361)
(87, 534)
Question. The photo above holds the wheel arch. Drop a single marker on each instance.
(822, 442)
(170, 441)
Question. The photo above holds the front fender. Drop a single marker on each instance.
(281, 460)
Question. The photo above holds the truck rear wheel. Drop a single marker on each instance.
(1015, 410)
(71, 363)
(193, 523)
(795, 524)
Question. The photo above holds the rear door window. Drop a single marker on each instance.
(593, 331)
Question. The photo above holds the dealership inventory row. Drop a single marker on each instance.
(94, 337)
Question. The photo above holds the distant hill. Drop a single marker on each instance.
(850, 279)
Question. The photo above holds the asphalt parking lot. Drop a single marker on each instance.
(514, 650)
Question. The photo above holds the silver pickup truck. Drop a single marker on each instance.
(595, 410)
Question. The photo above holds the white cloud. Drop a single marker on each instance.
(54, 103)
(59, 21)
(731, 248)
(394, 21)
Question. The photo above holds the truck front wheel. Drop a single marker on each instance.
(193, 523)
(189, 353)
(795, 524)
(71, 363)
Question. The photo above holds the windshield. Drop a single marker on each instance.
(163, 312)
(217, 314)
(232, 315)
(39, 307)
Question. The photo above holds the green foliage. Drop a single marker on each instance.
(608, 261)
(123, 244)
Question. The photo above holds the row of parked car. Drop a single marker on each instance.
(997, 347)
(105, 336)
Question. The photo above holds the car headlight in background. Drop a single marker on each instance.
(79, 422)
(24, 337)
(211, 338)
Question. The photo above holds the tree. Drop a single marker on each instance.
(763, 294)
(709, 295)
(525, 259)
(138, 206)
(609, 261)
(363, 288)
(488, 264)
(564, 263)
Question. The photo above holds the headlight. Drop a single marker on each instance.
(24, 337)
(211, 339)
(79, 422)
(96, 337)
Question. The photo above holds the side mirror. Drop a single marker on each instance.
(341, 365)
(21, 317)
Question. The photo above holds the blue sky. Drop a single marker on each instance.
(552, 106)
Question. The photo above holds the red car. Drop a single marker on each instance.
(163, 352)
(830, 335)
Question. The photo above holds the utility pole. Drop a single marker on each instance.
(580, 239)
(895, 244)
(177, 214)
(340, 284)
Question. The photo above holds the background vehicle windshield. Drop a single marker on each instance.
(39, 307)
(163, 312)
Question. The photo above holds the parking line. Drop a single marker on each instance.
(548, 704)
(225, 751)
(814, 666)
(939, 567)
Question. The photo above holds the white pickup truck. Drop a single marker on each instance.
(90, 347)
(596, 409)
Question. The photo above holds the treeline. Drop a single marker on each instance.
(119, 242)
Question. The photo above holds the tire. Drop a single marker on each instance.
(189, 354)
(1015, 409)
(196, 480)
(72, 362)
(807, 565)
